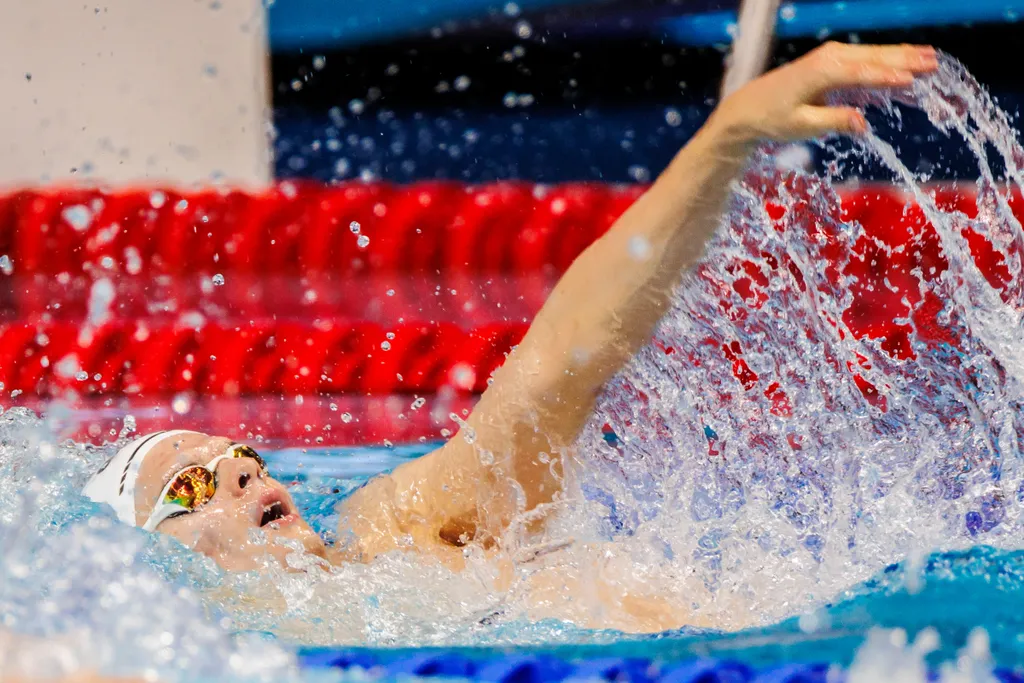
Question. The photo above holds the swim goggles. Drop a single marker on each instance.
(194, 486)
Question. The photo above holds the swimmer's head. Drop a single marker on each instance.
(208, 492)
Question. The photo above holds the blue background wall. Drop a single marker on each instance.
(551, 91)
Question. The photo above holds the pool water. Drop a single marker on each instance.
(756, 470)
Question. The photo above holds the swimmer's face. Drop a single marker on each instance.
(222, 528)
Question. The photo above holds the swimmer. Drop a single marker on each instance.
(506, 462)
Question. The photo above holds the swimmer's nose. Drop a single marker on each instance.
(237, 475)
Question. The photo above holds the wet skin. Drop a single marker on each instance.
(222, 528)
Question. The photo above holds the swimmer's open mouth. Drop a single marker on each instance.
(272, 513)
(274, 509)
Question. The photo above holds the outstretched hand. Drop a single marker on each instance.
(788, 103)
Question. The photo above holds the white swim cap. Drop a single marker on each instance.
(115, 483)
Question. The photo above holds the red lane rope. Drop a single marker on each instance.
(135, 359)
(303, 228)
(151, 242)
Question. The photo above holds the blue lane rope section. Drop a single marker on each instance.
(826, 18)
(540, 668)
(314, 24)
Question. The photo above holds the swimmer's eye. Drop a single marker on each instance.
(191, 488)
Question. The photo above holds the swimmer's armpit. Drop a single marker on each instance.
(506, 458)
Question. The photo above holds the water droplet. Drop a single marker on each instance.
(319, 62)
(78, 217)
(639, 173)
(523, 29)
(462, 83)
(334, 407)
(132, 261)
(385, 345)
(673, 117)
(157, 199)
(357, 107)
(787, 12)
(218, 280)
(363, 241)
(128, 427)
(346, 417)
(418, 403)
(639, 248)
(6, 265)
(81, 375)
(354, 227)
(101, 296)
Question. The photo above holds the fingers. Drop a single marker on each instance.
(818, 121)
(836, 65)
(916, 58)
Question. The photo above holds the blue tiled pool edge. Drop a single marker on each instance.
(525, 667)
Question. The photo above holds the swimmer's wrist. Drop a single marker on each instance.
(731, 137)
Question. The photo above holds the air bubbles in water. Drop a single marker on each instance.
(6, 265)
(362, 241)
(217, 279)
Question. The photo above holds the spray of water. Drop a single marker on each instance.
(766, 449)
(80, 592)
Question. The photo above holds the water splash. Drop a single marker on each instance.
(79, 591)
(775, 445)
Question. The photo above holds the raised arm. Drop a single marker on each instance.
(505, 459)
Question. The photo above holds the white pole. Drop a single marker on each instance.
(752, 44)
(748, 60)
